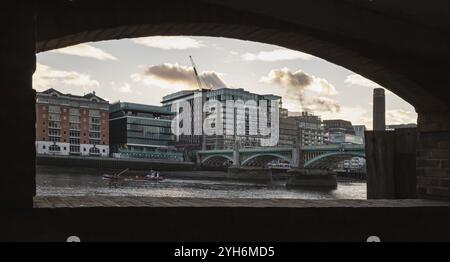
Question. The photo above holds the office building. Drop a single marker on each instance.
(311, 130)
(224, 140)
(142, 131)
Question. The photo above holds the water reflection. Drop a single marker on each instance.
(90, 183)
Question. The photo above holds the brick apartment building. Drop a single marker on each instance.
(71, 125)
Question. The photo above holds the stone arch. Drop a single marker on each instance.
(333, 158)
(263, 158)
(217, 160)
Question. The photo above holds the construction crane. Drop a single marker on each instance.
(200, 89)
(197, 76)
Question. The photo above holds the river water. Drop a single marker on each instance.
(59, 182)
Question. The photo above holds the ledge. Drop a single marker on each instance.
(139, 202)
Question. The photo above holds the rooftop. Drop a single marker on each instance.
(121, 106)
(88, 97)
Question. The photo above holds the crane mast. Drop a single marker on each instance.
(197, 76)
(200, 88)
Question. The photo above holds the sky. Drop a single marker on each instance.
(143, 70)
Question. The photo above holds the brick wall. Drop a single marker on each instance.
(433, 156)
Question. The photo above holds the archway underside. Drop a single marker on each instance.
(217, 161)
(263, 160)
(75, 22)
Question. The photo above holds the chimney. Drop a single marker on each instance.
(379, 110)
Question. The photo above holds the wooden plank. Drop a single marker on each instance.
(380, 148)
(405, 163)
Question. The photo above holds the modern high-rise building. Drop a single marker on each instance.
(225, 140)
(71, 125)
(311, 131)
(142, 131)
(289, 131)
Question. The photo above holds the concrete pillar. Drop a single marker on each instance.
(379, 109)
(297, 157)
(433, 155)
(17, 108)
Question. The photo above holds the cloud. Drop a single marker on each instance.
(303, 91)
(46, 77)
(175, 76)
(169, 42)
(85, 50)
(358, 80)
(299, 81)
(400, 116)
(276, 55)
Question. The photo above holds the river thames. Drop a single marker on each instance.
(51, 182)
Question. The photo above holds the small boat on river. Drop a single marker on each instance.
(153, 176)
(115, 177)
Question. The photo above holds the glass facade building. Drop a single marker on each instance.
(142, 131)
(222, 95)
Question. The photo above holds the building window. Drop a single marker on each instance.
(74, 119)
(75, 127)
(54, 148)
(54, 117)
(54, 139)
(94, 151)
(54, 109)
(94, 113)
(43, 147)
(74, 149)
(74, 134)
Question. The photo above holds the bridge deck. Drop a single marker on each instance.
(91, 202)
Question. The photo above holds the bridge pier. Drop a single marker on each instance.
(237, 172)
(236, 156)
(308, 178)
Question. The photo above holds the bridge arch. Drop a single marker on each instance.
(332, 158)
(264, 159)
(216, 160)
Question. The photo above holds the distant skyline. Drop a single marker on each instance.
(143, 70)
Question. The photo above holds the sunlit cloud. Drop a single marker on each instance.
(169, 42)
(175, 76)
(276, 55)
(85, 50)
(299, 81)
(46, 77)
(307, 92)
